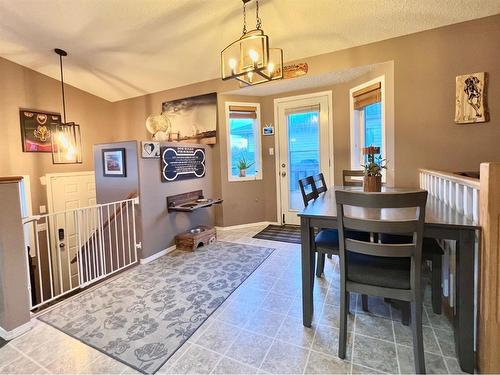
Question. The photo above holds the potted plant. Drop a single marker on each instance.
(243, 165)
(372, 180)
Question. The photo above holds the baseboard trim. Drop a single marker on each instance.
(18, 331)
(157, 255)
(241, 226)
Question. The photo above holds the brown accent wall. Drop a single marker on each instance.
(158, 226)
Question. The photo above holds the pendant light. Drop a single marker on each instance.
(249, 59)
(66, 138)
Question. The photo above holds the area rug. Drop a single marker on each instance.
(143, 317)
(281, 233)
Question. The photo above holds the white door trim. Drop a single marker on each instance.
(331, 180)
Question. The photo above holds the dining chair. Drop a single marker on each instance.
(347, 179)
(378, 269)
(326, 241)
(308, 189)
(433, 253)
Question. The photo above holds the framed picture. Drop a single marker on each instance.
(470, 98)
(268, 130)
(114, 163)
(150, 150)
(36, 129)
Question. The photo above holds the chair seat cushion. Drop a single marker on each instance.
(328, 239)
(379, 271)
(429, 247)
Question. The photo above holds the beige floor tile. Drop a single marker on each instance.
(196, 360)
(293, 331)
(218, 337)
(22, 365)
(374, 353)
(230, 366)
(249, 348)
(325, 364)
(434, 364)
(284, 358)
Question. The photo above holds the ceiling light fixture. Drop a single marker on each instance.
(66, 138)
(249, 59)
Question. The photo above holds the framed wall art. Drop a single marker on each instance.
(36, 129)
(470, 96)
(191, 120)
(150, 149)
(114, 162)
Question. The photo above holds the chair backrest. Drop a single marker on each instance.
(308, 189)
(347, 179)
(319, 180)
(390, 222)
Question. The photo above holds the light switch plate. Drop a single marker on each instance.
(43, 209)
(271, 151)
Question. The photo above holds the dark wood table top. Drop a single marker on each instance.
(437, 213)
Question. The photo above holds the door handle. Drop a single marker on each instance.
(283, 174)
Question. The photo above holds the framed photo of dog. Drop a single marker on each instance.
(471, 98)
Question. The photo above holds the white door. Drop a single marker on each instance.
(305, 139)
(67, 191)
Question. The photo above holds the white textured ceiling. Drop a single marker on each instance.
(125, 48)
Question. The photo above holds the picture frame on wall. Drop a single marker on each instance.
(150, 149)
(36, 129)
(114, 163)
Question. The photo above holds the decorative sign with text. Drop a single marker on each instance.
(182, 163)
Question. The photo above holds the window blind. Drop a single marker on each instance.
(367, 95)
(304, 109)
(240, 111)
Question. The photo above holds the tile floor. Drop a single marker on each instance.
(259, 330)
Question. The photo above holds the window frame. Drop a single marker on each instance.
(357, 136)
(258, 143)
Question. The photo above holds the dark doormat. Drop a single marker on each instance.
(282, 233)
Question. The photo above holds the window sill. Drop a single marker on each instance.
(247, 178)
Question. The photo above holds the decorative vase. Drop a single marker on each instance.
(243, 172)
(372, 183)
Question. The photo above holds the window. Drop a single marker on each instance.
(243, 138)
(367, 120)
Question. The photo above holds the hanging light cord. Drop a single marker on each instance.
(244, 18)
(259, 22)
(62, 89)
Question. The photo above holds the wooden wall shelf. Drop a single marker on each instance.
(189, 202)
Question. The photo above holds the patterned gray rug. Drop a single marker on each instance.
(143, 317)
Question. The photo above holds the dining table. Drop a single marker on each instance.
(441, 222)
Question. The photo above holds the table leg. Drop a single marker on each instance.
(307, 272)
(464, 317)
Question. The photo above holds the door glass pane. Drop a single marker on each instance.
(373, 125)
(303, 152)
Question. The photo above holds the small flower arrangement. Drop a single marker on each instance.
(374, 163)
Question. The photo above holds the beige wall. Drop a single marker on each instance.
(14, 296)
(21, 87)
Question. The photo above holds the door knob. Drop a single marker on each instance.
(283, 174)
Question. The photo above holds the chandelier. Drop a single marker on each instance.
(66, 138)
(249, 59)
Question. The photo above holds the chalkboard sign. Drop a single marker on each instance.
(182, 163)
